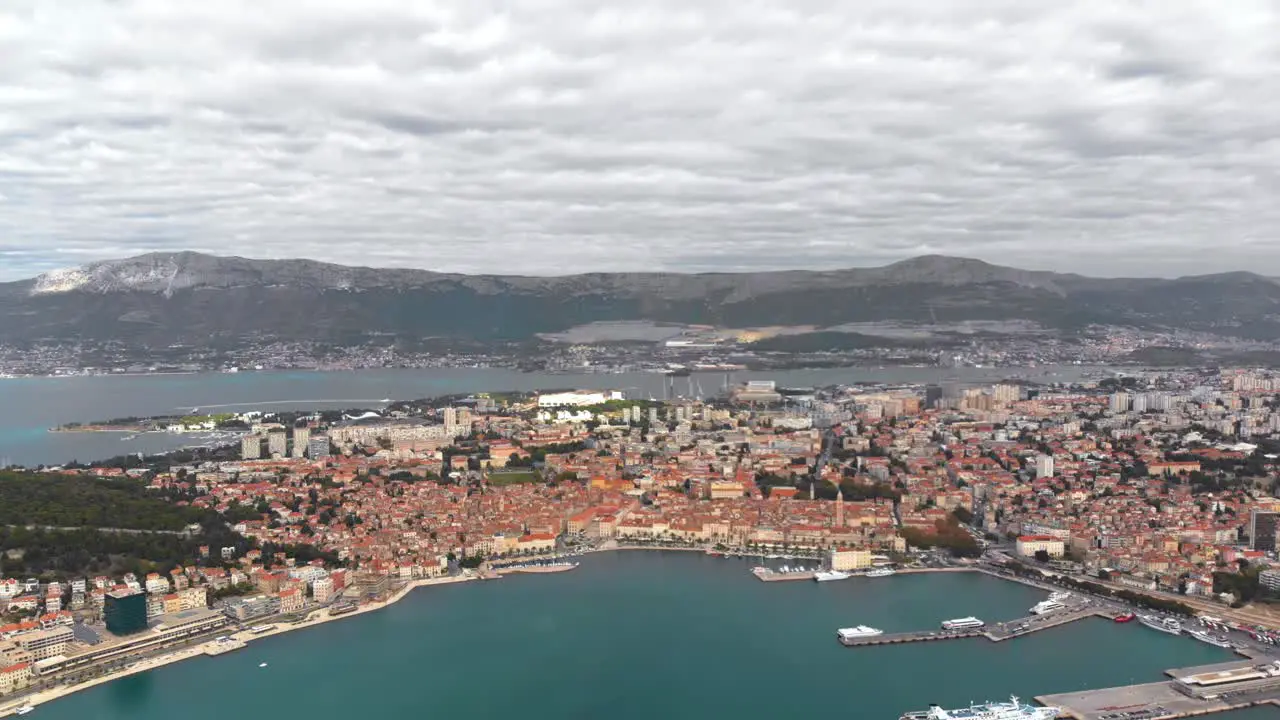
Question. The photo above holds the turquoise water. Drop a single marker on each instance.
(29, 406)
(648, 635)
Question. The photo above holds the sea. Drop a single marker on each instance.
(642, 635)
(30, 406)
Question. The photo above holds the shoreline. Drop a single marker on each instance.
(316, 617)
(320, 617)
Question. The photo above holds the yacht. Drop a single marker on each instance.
(1046, 606)
(23, 710)
(964, 623)
(1012, 710)
(829, 575)
(1163, 624)
(881, 572)
(850, 636)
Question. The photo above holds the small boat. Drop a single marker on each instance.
(23, 710)
(1126, 617)
(262, 664)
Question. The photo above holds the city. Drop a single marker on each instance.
(1158, 485)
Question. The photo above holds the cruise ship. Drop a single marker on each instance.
(848, 636)
(1046, 606)
(1012, 710)
(829, 575)
(881, 572)
(1163, 624)
(964, 623)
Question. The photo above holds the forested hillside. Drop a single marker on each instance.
(62, 501)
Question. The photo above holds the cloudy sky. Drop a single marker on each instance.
(554, 136)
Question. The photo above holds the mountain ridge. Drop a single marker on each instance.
(188, 297)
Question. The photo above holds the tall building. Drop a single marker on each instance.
(932, 396)
(1044, 466)
(1262, 529)
(318, 447)
(250, 447)
(277, 443)
(653, 415)
(451, 419)
(1006, 393)
(301, 436)
(1119, 402)
(125, 612)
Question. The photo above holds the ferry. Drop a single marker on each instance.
(1046, 606)
(849, 636)
(882, 572)
(1163, 624)
(1205, 637)
(1124, 618)
(829, 575)
(964, 623)
(1012, 710)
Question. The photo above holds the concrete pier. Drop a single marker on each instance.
(998, 632)
(769, 575)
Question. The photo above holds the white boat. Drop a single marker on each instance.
(881, 572)
(1205, 637)
(964, 623)
(829, 575)
(1012, 710)
(851, 635)
(23, 710)
(262, 664)
(1163, 624)
(1046, 606)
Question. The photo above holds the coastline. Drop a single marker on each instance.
(316, 617)
(320, 617)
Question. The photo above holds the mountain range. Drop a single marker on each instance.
(161, 299)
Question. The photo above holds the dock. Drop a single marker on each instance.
(996, 632)
(768, 575)
(222, 647)
(1190, 692)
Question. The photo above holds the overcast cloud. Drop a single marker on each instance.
(554, 136)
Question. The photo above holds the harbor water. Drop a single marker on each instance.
(642, 634)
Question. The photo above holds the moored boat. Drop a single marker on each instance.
(964, 623)
(1124, 618)
(1012, 710)
(851, 635)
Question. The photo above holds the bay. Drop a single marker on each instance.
(645, 634)
(30, 406)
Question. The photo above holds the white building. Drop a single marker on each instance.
(578, 398)
(1044, 466)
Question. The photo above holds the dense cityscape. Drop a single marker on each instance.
(1158, 485)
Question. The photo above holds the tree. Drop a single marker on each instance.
(1042, 556)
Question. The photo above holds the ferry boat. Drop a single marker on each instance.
(1205, 637)
(1163, 624)
(964, 623)
(1012, 710)
(849, 636)
(1046, 606)
(881, 572)
(1124, 618)
(829, 575)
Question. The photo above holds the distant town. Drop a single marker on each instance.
(1160, 484)
(632, 347)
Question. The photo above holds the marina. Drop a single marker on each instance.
(999, 632)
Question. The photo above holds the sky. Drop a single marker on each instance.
(1108, 137)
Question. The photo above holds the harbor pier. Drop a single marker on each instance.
(997, 632)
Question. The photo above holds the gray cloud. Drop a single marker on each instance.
(1111, 138)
